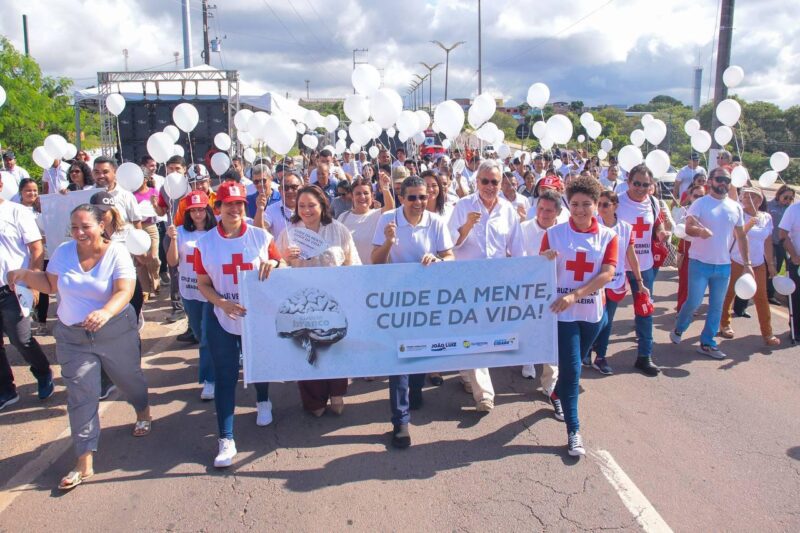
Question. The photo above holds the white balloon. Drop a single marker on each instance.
(340, 147)
(779, 161)
(503, 151)
(241, 119)
(330, 123)
(679, 231)
(341, 135)
(55, 145)
(373, 151)
(647, 118)
(586, 119)
(359, 133)
(655, 131)
(691, 127)
(280, 134)
(783, 285)
(115, 103)
(69, 151)
(391, 132)
(42, 157)
(176, 185)
(594, 130)
(732, 76)
(366, 79)
(629, 156)
(178, 150)
(602, 154)
(185, 116)
(356, 107)
(723, 135)
(257, 125)
(419, 137)
(446, 144)
(559, 128)
(159, 146)
(312, 118)
(385, 106)
(2, 96)
(222, 141)
(130, 176)
(249, 155)
(637, 137)
(658, 162)
(539, 129)
(487, 132)
(245, 138)
(310, 141)
(607, 145)
(458, 167)
(423, 118)
(538, 95)
(768, 178)
(408, 122)
(546, 142)
(220, 162)
(581, 138)
(729, 111)
(355, 148)
(745, 287)
(450, 118)
(701, 141)
(10, 187)
(499, 138)
(739, 176)
(137, 241)
(481, 110)
(300, 128)
(173, 132)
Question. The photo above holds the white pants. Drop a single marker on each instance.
(481, 382)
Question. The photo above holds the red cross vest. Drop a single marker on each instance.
(223, 260)
(623, 231)
(187, 242)
(641, 218)
(580, 256)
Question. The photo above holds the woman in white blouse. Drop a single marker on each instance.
(313, 215)
(362, 219)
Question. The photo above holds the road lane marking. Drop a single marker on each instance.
(636, 502)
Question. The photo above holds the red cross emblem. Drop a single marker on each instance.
(640, 227)
(580, 267)
(237, 263)
(190, 258)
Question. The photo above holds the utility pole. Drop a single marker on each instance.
(447, 51)
(480, 81)
(358, 51)
(187, 34)
(177, 56)
(723, 58)
(206, 50)
(125, 55)
(430, 82)
(307, 82)
(25, 34)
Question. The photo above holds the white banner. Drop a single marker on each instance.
(55, 215)
(383, 320)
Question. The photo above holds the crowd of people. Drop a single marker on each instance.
(608, 231)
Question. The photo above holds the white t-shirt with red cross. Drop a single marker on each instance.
(187, 243)
(581, 254)
(624, 232)
(641, 217)
(222, 259)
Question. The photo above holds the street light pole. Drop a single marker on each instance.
(421, 82)
(447, 51)
(430, 82)
(480, 82)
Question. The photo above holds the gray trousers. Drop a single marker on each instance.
(116, 346)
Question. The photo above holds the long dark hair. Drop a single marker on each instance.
(325, 206)
(87, 175)
(211, 220)
(440, 198)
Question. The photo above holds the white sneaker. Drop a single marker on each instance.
(227, 451)
(208, 391)
(264, 416)
(529, 371)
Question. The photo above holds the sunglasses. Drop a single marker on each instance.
(415, 197)
(640, 183)
(292, 187)
(259, 182)
(605, 204)
(721, 179)
(493, 183)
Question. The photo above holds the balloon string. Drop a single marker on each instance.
(191, 153)
(119, 141)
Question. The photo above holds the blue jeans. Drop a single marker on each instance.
(194, 312)
(644, 324)
(398, 395)
(601, 344)
(225, 348)
(575, 339)
(702, 276)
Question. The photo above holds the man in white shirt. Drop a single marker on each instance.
(684, 177)
(611, 181)
(401, 157)
(54, 179)
(712, 222)
(509, 193)
(104, 173)
(10, 163)
(20, 247)
(789, 235)
(324, 157)
(471, 170)
(348, 165)
(484, 226)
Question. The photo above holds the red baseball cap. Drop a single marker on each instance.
(552, 182)
(642, 305)
(230, 191)
(196, 199)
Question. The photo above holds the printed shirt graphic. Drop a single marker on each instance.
(640, 216)
(187, 243)
(580, 256)
(219, 258)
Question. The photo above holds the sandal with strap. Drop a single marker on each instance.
(726, 333)
(73, 479)
(772, 341)
(142, 427)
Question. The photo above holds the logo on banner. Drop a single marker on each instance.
(442, 346)
(313, 318)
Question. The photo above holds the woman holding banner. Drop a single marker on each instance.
(586, 253)
(337, 249)
(410, 234)
(362, 219)
(219, 258)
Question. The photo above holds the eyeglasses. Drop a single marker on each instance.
(721, 179)
(292, 187)
(640, 183)
(415, 197)
(259, 182)
(605, 204)
(74, 170)
(493, 183)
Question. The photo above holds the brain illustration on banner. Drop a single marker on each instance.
(314, 318)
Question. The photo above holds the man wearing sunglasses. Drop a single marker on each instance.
(712, 222)
(484, 226)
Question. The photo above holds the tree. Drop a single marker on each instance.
(576, 106)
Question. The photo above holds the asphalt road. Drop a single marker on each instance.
(706, 446)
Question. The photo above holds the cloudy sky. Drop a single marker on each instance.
(598, 51)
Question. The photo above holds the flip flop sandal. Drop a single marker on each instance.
(142, 428)
(73, 479)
